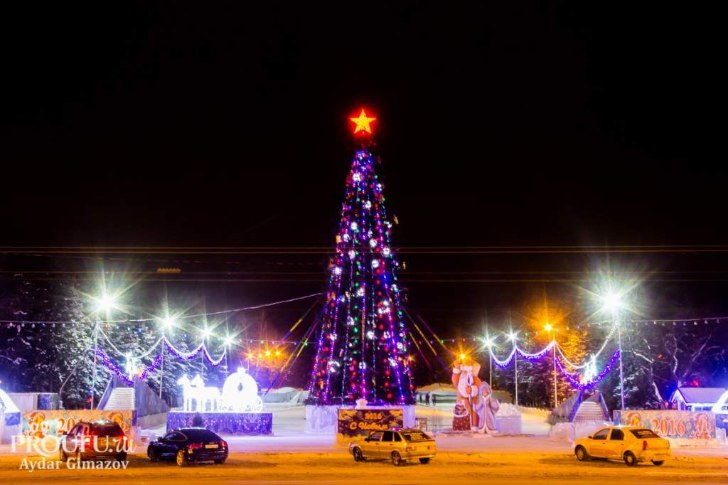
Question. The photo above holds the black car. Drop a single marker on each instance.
(187, 445)
(94, 439)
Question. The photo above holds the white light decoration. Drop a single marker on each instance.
(352, 254)
(130, 367)
(240, 393)
(370, 335)
(357, 177)
(386, 251)
(368, 204)
(354, 226)
(375, 263)
(337, 270)
(373, 242)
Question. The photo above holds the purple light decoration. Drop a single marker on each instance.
(151, 367)
(106, 362)
(194, 353)
(583, 386)
(506, 362)
(362, 349)
(538, 356)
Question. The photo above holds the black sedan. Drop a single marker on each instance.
(188, 445)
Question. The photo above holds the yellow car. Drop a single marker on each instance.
(628, 443)
(396, 445)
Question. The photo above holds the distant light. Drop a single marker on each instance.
(169, 322)
(229, 340)
(548, 327)
(512, 336)
(267, 353)
(206, 333)
(612, 301)
(462, 356)
(105, 303)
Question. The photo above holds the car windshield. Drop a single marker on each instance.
(200, 435)
(106, 429)
(644, 433)
(411, 436)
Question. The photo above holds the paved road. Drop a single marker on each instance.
(513, 468)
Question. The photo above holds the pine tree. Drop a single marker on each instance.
(362, 350)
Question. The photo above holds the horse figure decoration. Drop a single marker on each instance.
(206, 395)
(189, 393)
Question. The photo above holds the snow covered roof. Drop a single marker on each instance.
(699, 394)
(437, 387)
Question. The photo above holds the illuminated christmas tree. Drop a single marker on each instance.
(362, 347)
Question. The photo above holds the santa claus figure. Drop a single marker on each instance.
(467, 386)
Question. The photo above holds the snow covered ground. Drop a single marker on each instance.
(290, 456)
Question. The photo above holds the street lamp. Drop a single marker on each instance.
(513, 337)
(104, 303)
(168, 324)
(229, 340)
(489, 343)
(612, 302)
(551, 330)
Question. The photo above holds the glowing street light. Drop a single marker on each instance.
(551, 330)
(612, 302)
(229, 340)
(206, 333)
(489, 343)
(513, 337)
(104, 304)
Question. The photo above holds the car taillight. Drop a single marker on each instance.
(194, 446)
(644, 445)
(223, 443)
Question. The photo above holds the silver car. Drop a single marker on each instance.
(399, 446)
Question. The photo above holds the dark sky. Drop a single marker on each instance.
(513, 124)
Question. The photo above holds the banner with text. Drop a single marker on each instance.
(360, 422)
(697, 425)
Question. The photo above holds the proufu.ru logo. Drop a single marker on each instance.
(75, 452)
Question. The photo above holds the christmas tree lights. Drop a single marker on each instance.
(362, 350)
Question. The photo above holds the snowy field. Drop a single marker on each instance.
(290, 456)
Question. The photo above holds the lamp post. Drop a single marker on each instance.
(167, 324)
(513, 337)
(550, 329)
(105, 303)
(489, 342)
(612, 303)
(228, 342)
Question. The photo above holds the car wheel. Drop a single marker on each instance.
(396, 458)
(219, 462)
(358, 455)
(181, 460)
(153, 456)
(121, 457)
(581, 453)
(658, 462)
(630, 459)
(424, 461)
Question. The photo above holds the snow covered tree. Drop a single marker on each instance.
(362, 348)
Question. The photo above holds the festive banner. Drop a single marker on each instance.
(40, 424)
(697, 425)
(360, 422)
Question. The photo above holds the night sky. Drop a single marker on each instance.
(514, 124)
